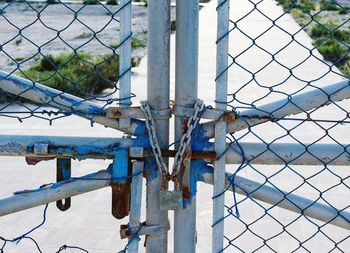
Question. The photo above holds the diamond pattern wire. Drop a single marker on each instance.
(279, 49)
(73, 47)
(69, 46)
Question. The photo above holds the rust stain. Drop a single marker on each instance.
(186, 192)
(120, 200)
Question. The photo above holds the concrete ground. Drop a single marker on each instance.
(88, 223)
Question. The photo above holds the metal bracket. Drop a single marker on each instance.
(136, 113)
(63, 173)
(208, 113)
(120, 184)
(143, 229)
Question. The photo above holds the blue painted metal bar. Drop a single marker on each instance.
(64, 189)
(120, 187)
(77, 147)
(67, 103)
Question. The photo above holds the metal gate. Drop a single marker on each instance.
(272, 143)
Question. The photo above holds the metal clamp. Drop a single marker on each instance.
(208, 113)
(143, 229)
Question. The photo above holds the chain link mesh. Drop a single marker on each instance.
(280, 49)
(71, 46)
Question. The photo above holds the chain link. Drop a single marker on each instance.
(186, 137)
(157, 152)
(184, 142)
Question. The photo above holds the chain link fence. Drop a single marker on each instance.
(73, 47)
(59, 59)
(285, 58)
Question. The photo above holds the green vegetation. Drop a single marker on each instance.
(330, 29)
(18, 59)
(305, 5)
(90, 2)
(332, 40)
(137, 43)
(80, 74)
(18, 41)
(328, 5)
(84, 35)
(332, 50)
(112, 2)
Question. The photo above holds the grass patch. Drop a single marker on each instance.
(19, 59)
(112, 2)
(330, 29)
(137, 43)
(330, 40)
(83, 35)
(332, 50)
(90, 2)
(80, 74)
(328, 5)
(18, 41)
(305, 6)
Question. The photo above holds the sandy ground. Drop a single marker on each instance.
(89, 224)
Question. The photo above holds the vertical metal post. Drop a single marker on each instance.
(135, 206)
(186, 91)
(158, 78)
(125, 58)
(220, 126)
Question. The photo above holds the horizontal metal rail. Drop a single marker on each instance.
(288, 153)
(62, 146)
(62, 190)
(274, 111)
(285, 200)
(68, 103)
(103, 148)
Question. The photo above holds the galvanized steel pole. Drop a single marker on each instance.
(186, 90)
(220, 126)
(158, 78)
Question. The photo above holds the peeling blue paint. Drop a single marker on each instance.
(151, 169)
(199, 140)
(198, 168)
(120, 165)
